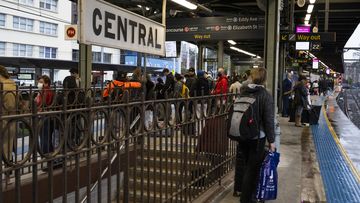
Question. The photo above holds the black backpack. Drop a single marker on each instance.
(244, 118)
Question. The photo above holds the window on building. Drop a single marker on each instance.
(28, 2)
(2, 19)
(48, 28)
(23, 23)
(75, 55)
(96, 57)
(107, 58)
(2, 48)
(48, 52)
(22, 50)
(49, 4)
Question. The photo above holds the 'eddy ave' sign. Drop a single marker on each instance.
(104, 24)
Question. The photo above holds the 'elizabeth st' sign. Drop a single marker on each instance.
(104, 24)
(215, 28)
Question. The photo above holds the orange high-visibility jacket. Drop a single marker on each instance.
(124, 85)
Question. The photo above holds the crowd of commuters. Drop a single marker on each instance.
(192, 84)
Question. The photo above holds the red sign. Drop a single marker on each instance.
(71, 32)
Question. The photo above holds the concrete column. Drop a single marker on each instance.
(220, 54)
(200, 60)
(272, 31)
(85, 65)
(327, 5)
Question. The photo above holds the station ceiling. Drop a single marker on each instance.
(344, 16)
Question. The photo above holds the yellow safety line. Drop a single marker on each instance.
(343, 151)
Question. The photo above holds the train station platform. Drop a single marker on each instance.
(318, 163)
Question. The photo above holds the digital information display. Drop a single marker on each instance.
(315, 64)
(304, 46)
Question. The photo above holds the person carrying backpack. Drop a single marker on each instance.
(115, 89)
(252, 124)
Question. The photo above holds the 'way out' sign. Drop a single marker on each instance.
(104, 24)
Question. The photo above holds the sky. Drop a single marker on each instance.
(354, 41)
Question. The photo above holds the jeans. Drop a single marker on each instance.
(254, 153)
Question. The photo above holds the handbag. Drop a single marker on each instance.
(267, 185)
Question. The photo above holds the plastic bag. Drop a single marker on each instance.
(267, 185)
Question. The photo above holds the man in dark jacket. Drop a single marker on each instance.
(300, 100)
(159, 86)
(191, 80)
(201, 86)
(169, 83)
(286, 94)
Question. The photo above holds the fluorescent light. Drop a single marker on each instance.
(312, 1)
(242, 51)
(259, 57)
(147, 8)
(306, 22)
(139, 6)
(186, 4)
(310, 8)
(308, 16)
(255, 66)
(155, 12)
(232, 42)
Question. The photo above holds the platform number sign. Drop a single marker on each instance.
(315, 46)
(71, 32)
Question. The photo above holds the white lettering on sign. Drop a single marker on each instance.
(104, 24)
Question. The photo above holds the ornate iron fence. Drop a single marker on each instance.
(81, 148)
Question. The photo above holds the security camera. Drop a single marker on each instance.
(173, 13)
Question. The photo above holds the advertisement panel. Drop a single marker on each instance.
(104, 24)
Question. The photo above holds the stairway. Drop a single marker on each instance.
(167, 172)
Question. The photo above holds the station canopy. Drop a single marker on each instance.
(344, 17)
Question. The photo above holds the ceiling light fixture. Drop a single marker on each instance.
(259, 57)
(147, 8)
(242, 51)
(232, 42)
(312, 1)
(139, 6)
(308, 16)
(186, 4)
(310, 8)
(306, 22)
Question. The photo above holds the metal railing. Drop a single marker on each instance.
(122, 150)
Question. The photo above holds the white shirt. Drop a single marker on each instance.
(235, 87)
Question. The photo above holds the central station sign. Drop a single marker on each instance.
(104, 24)
(215, 28)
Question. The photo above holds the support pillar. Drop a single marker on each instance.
(200, 57)
(327, 5)
(220, 55)
(272, 31)
(85, 65)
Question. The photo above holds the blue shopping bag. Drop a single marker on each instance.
(267, 185)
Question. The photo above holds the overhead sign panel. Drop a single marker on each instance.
(104, 24)
(310, 37)
(215, 28)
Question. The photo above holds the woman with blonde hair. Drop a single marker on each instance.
(253, 146)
